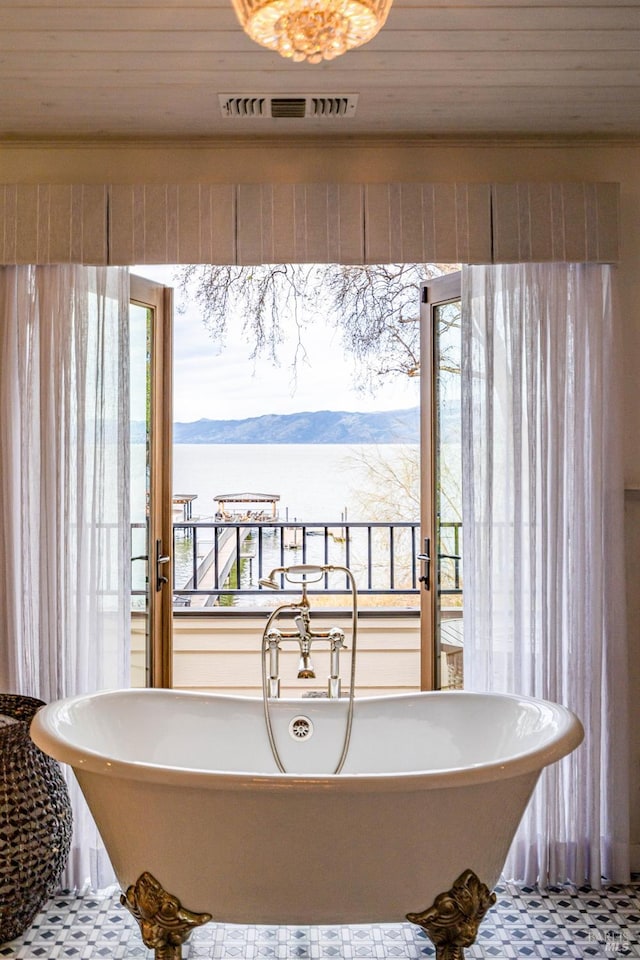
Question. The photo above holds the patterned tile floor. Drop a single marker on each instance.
(525, 922)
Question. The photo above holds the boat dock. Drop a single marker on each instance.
(217, 563)
(247, 506)
(226, 549)
(184, 502)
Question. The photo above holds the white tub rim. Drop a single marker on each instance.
(48, 738)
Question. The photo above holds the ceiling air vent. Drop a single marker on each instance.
(288, 107)
(244, 107)
(277, 107)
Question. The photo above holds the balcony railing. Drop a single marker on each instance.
(222, 562)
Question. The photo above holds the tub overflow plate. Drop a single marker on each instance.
(300, 728)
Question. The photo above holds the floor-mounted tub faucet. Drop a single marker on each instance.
(304, 635)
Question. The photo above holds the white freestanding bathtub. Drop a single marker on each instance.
(184, 788)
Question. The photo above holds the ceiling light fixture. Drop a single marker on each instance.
(312, 30)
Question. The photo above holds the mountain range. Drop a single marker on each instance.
(322, 426)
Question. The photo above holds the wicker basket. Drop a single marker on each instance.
(35, 820)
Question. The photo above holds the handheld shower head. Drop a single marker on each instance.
(269, 581)
(298, 574)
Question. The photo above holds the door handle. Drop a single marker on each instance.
(142, 556)
(425, 558)
(161, 558)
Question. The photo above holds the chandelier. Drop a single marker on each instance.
(312, 30)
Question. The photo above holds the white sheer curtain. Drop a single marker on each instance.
(544, 575)
(64, 510)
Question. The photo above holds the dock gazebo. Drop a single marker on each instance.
(247, 506)
(184, 501)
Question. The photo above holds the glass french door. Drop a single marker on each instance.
(150, 320)
(441, 471)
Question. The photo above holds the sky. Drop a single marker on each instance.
(228, 385)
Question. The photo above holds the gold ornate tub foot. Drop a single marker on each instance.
(453, 920)
(164, 923)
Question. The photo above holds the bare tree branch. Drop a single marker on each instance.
(375, 308)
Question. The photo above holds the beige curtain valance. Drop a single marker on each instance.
(555, 222)
(53, 224)
(311, 223)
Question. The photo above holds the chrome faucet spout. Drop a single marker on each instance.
(305, 668)
(305, 637)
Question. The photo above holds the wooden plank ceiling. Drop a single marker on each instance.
(155, 68)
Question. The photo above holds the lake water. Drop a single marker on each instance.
(315, 481)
